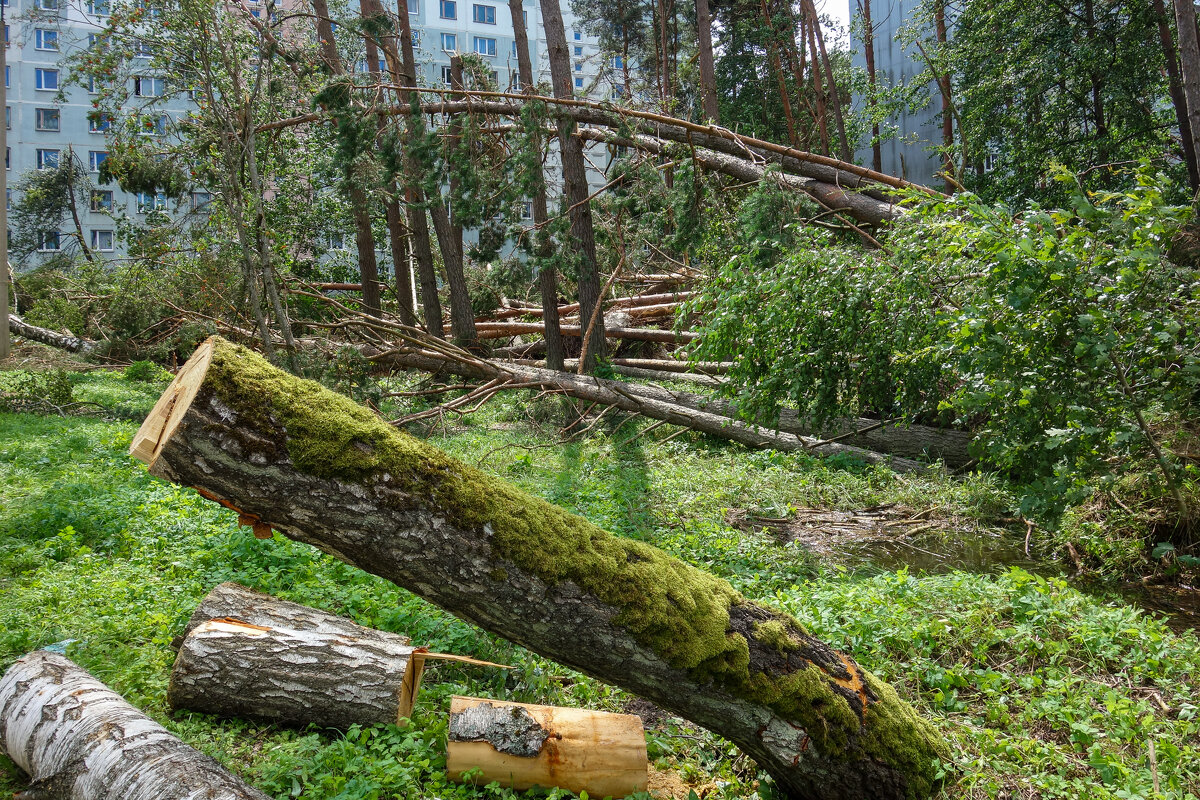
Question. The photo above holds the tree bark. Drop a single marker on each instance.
(450, 241)
(322, 470)
(247, 655)
(872, 83)
(418, 225)
(1178, 102)
(708, 74)
(1189, 63)
(63, 341)
(575, 184)
(78, 740)
(939, 18)
(835, 98)
(522, 746)
(542, 244)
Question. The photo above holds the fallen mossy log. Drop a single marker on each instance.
(322, 470)
(62, 341)
(248, 655)
(521, 746)
(78, 740)
(616, 393)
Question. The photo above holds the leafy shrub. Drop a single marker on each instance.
(36, 392)
(56, 313)
(148, 372)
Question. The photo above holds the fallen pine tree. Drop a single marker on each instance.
(62, 341)
(78, 740)
(322, 470)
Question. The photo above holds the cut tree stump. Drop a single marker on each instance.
(248, 655)
(323, 470)
(79, 740)
(522, 746)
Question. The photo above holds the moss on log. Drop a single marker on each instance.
(324, 470)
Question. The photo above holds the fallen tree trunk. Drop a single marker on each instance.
(248, 655)
(322, 470)
(521, 746)
(908, 441)
(500, 330)
(616, 393)
(63, 341)
(79, 740)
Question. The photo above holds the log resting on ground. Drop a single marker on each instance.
(63, 341)
(615, 393)
(248, 655)
(78, 740)
(322, 470)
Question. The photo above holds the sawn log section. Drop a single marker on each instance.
(320, 469)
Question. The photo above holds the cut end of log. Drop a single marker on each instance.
(171, 407)
(522, 746)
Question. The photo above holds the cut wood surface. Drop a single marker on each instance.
(249, 655)
(322, 470)
(522, 746)
(78, 740)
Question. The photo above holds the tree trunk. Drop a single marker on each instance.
(777, 68)
(1189, 63)
(575, 184)
(398, 241)
(78, 740)
(418, 225)
(1171, 57)
(450, 241)
(322, 470)
(872, 83)
(818, 90)
(247, 655)
(63, 341)
(939, 18)
(522, 746)
(835, 98)
(708, 74)
(547, 274)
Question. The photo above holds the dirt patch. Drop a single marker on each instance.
(653, 716)
(666, 784)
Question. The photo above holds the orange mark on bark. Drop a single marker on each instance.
(855, 682)
(261, 529)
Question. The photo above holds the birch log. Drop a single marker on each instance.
(522, 746)
(78, 740)
(323, 470)
(249, 655)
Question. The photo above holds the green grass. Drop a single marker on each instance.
(1044, 691)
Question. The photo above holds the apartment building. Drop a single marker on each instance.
(47, 121)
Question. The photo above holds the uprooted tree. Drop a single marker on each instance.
(320, 469)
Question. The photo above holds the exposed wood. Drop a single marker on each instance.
(78, 740)
(521, 746)
(63, 341)
(324, 471)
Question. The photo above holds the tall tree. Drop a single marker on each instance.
(542, 244)
(1189, 62)
(864, 8)
(575, 186)
(1178, 101)
(708, 75)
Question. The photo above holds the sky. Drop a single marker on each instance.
(838, 9)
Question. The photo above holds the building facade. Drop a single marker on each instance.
(908, 153)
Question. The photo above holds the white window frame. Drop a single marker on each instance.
(40, 36)
(99, 8)
(96, 238)
(43, 239)
(101, 207)
(490, 53)
(39, 79)
(484, 10)
(94, 162)
(39, 119)
(155, 83)
(44, 160)
(453, 40)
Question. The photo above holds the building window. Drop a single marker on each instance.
(485, 46)
(153, 126)
(46, 119)
(526, 210)
(102, 241)
(447, 76)
(618, 62)
(578, 36)
(6, 42)
(47, 159)
(43, 39)
(99, 122)
(143, 49)
(45, 79)
(147, 202)
(98, 8)
(337, 241)
(95, 159)
(414, 6)
(46, 5)
(449, 42)
(145, 86)
(579, 83)
(102, 200)
(7, 70)
(200, 200)
(448, 9)
(48, 242)
(8, 158)
(579, 66)
(8, 198)
(578, 50)
(483, 14)
(8, 117)
(416, 38)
